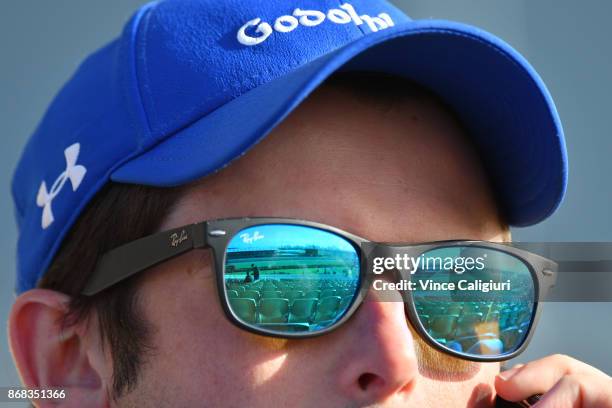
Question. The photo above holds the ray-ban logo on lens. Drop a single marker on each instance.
(176, 238)
(74, 173)
(249, 239)
(259, 31)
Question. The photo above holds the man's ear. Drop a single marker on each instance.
(49, 355)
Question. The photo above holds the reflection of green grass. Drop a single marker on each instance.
(305, 271)
(289, 265)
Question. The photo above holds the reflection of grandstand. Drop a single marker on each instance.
(299, 288)
(287, 252)
(311, 252)
(293, 304)
(476, 327)
(473, 321)
(250, 254)
(291, 261)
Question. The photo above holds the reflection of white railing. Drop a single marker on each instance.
(307, 277)
(298, 277)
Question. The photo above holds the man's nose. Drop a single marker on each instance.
(380, 358)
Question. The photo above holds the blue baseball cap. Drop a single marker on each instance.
(191, 85)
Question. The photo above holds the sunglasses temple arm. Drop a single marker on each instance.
(136, 256)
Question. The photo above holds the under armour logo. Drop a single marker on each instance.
(74, 172)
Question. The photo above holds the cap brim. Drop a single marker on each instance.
(494, 91)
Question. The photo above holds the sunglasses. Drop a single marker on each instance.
(292, 278)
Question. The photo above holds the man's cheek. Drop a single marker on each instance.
(435, 364)
(269, 343)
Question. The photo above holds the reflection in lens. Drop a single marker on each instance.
(290, 278)
(490, 310)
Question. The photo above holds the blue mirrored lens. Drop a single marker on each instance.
(475, 317)
(290, 278)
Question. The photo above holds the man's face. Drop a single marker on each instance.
(386, 172)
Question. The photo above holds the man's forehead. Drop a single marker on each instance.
(333, 124)
(340, 161)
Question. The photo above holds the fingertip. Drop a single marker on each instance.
(508, 374)
(506, 388)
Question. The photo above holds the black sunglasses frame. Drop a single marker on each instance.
(129, 259)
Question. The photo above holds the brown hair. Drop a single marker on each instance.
(119, 213)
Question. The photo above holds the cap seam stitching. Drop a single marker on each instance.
(140, 39)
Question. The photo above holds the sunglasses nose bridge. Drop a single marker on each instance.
(389, 261)
(381, 269)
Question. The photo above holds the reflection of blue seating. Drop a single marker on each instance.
(312, 294)
(245, 309)
(470, 307)
(252, 294)
(511, 337)
(492, 317)
(273, 310)
(269, 286)
(232, 294)
(293, 294)
(328, 292)
(271, 294)
(302, 310)
(454, 309)
(327, 309)
(442, 326)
